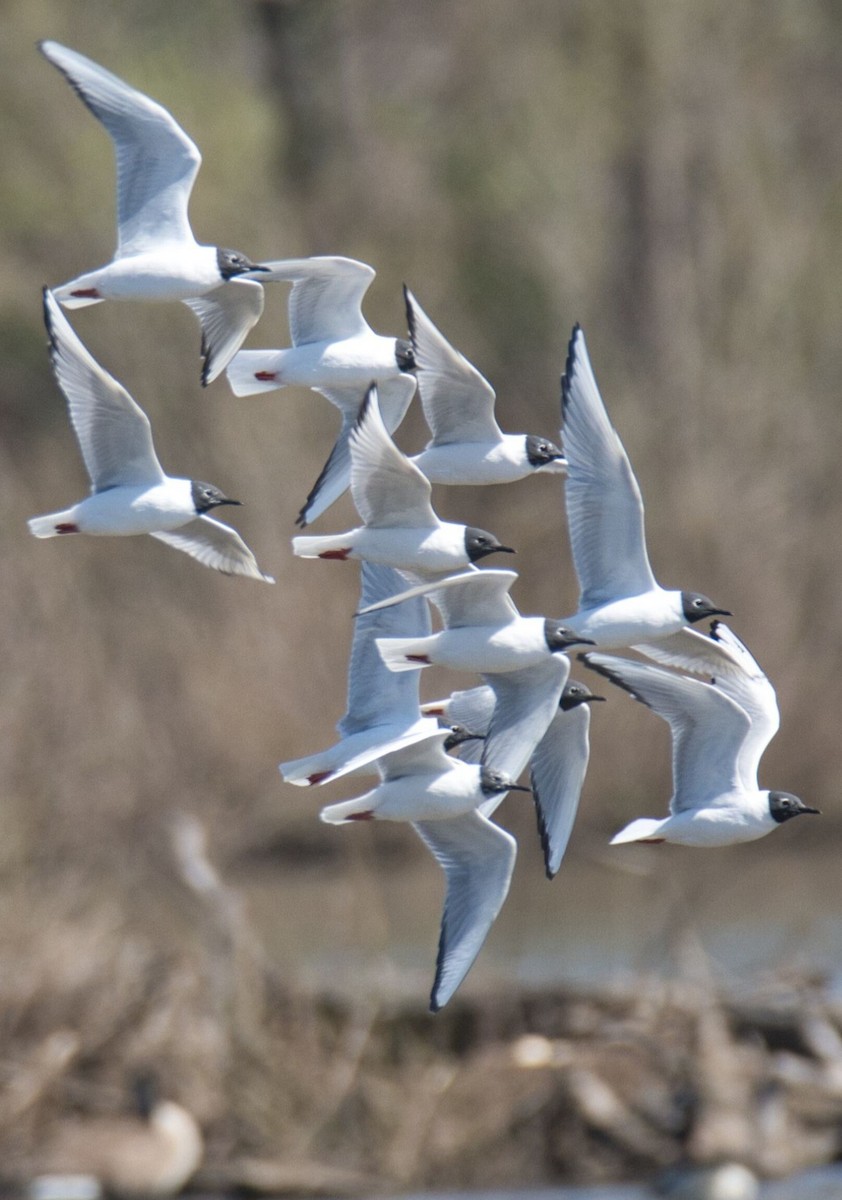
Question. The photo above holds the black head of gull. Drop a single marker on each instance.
(783, 806)
(232, 263)
(574, 694)
(540, 451)
(559, 636)
(479, 543)
(205, 496)
(492, 782)
(696, 607)
(404, 355)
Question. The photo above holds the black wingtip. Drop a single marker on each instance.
(409, 305)
(52, 342)
(365, 406)
(205, 355)
(569, 367)
(543, 831)
(610, 674)
(435, 1006)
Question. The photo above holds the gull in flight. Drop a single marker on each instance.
(620, 603)
(467, 446)
(558, 764)
(157, 257)
(719, 732)
(520, 658)
(383, 713)
(442, 797)
(393, 498)
(129, 491)
(334, 351)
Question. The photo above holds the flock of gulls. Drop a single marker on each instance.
(528, 712)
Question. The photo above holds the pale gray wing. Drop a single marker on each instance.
(376, 694)
(226, 314)
(388, 489)
(113, 432)
(394, 396)
(458, 402)
(696, 652)
(752, 691)
(421, 758)
(708, 728)
(471, 710)
(215, 545)
(478, 858)
(465, 599)
(326, 297)
(526, 702)
(604, 505)
(557, 772)
(156, 160)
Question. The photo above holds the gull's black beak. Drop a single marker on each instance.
(225, 500)
(505, 550)
(519, 787)
(591, 699)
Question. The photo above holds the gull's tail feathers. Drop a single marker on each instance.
(358, 809)
(322, 546)
(51, 524)
(403, 654)
(246, 367)
(644, 829)
(67, 299)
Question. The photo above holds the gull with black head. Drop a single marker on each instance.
(467, 446)
(157, 256)
(558, 764)
(719, 731)
(620, 602)
(393, 498)
(334, 351)
(442, 797)
(130, 493)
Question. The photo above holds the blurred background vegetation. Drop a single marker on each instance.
(668, 175)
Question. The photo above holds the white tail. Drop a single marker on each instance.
(644, 829)
(394, 652)
(244, 366)
(347, 810)
(44, 527)
(313, 547)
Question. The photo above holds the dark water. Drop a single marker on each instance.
(612, 914)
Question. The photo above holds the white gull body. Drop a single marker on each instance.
(441, 797)
(383, 713)
(157, 256)
(393, 498)
(557, 765)
(130, 493)
(520, 658)
(719, 731)
(467, 446)
(620, 603)
(334, 351)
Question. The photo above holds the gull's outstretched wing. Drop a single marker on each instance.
(327, 292)
(478, 858)
(604, 505)
(708, 728)
(458, 402)
(216, 545)
(157, 162)
(387, 488)
(113, 432)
